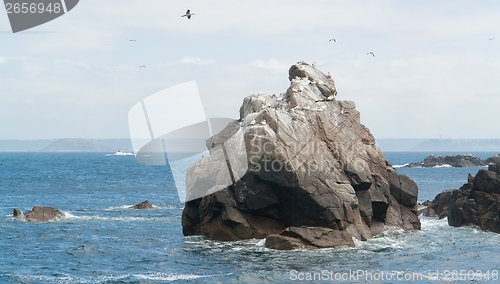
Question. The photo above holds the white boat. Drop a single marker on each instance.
(121, 153)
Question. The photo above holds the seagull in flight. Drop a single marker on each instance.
(132, 40)
(332, 39)
(491, 38)
(142, 66)
(371, 52)
(188, 14)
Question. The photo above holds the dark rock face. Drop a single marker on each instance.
(476, 203)
(40, 214)
(142, 205)
(439, 206)
(315, 177)
(460, 161)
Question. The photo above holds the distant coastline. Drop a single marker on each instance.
(442, 145)
(108, 145)
(385, 144)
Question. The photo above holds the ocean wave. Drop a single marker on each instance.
(121, 207)
(69, 216)
(127, 207)
(400, 166)
(168, 276)
(390, 239)
(65, 278)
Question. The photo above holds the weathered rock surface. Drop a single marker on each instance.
(142, 205)
(476, 203)
(315, 177)
(460, 161)
(39, 214)
(492, 159)
(309, 237)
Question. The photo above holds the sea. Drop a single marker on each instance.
(101, 240)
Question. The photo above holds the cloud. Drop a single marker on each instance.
(5, 59)
(196, 60)
(272, 64)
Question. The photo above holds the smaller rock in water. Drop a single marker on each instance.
(42, 214)
(18, 213)
(143, 205)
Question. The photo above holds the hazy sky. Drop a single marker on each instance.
(435, 72)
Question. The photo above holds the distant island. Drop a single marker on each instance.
(110, 145)
(76, 145)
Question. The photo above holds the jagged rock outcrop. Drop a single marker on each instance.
(313, 176)
(142, 205)
(476, 203)
(39, 214)
(460, 161)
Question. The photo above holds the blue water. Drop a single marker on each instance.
(100, 240)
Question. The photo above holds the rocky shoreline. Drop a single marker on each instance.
(476, 203)
(303, 173)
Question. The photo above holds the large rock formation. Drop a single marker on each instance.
(476, 203)
(313, 176)
(39, 214)
(460, 161)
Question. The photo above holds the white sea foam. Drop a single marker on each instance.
(400, 166)
(118, 207)
(168, 277)
(127, 207)
(443, 166)
(70, 216)
(261, 243)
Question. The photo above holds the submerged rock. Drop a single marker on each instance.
(142, 205)
(39, 214)
(460, 161)
(312, 175)
(476, 203)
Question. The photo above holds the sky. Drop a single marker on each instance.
(435, 72)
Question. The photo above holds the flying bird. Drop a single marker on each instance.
(188, 14)
(142, 66)
(491, 38)
(332, 39)
(371, 52)
(132, 40)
